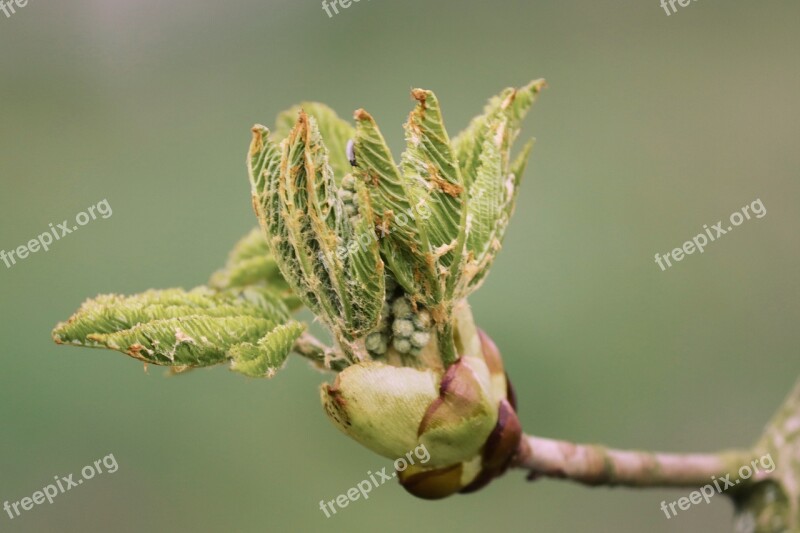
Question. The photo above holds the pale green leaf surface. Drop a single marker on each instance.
(396, 219)
(335, 132)
(349, 287)
(308, 231)
(432, 175)
(174, 327)
(268, 355)
(188, 341)
(511, 104)
(264, 163)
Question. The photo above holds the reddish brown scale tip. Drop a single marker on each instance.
(491, 353)
(362, 115)
(498, 451)
(510, 394)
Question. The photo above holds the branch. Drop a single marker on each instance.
(767, 501)
(597, 465)
(773, 505)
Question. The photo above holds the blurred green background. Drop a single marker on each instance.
(652, 126)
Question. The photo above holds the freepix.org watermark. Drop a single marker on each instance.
(363, 241)
(335, 4)
(682, 3)
(62, 484)
(701, 240)
(9, 6)
(364, 487)
(55, 233)
(720, 485)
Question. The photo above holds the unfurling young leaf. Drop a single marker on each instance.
(484, 150)
(420, 206)
(177, 328)
(397, 220)
(267, 356)
(433, 177)
(443, 213)
(512, 105)
(335, 132)
(318, 246)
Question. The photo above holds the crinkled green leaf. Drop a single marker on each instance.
(335, 132)
(111, 313)
(264, 166)
(189, 341)
(420, 207)
(517, 171)
(490, 207)
(433, 178)
(397, 221)
(511, 104)
(492, 180)
(250, 263)
(364, 281)
(173, 327)
(485, 207)
(311, 236)
(264, 162)
(521, 163)
(268, 355)
(350, 285)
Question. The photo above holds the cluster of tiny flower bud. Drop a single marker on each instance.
(407, 330)
(411, 330)
(347, 193)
